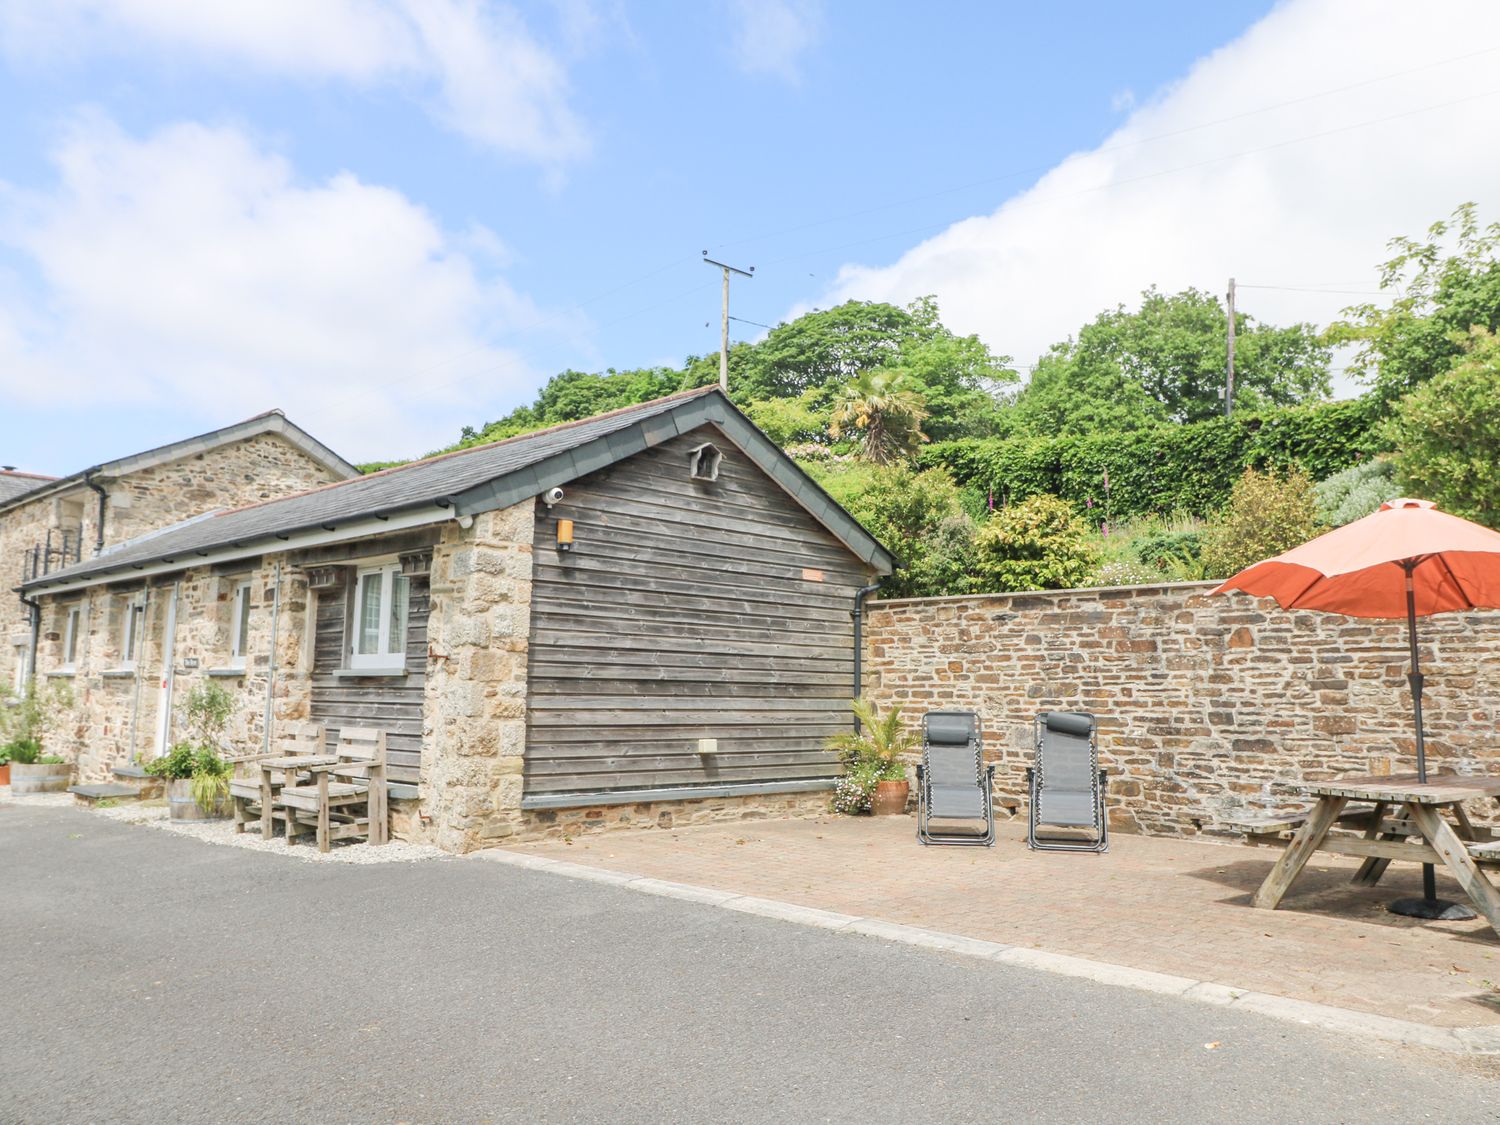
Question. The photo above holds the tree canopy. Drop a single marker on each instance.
(1440, 296)
(1165, 362)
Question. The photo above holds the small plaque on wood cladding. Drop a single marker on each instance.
(811, 575)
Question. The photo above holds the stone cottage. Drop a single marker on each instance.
(641, 618)
(49, 523)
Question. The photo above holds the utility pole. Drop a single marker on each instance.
(724, 331)
(1229, 368)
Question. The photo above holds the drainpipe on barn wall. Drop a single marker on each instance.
(34, 619)
(858, 613)
(88, 479)
(265, 742)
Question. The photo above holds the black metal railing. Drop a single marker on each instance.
(62, 547)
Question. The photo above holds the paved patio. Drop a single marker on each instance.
(1168, 905)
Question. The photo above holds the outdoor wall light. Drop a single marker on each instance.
(564, 535)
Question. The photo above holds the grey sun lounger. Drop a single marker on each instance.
(953, 783)
(1067, 785)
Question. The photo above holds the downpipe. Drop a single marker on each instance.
(271, 665)
(858, 613)
(88, 479)
(34, 620)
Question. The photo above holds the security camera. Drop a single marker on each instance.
(552, 496)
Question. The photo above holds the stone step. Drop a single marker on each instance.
(137, 772)
(104, 790)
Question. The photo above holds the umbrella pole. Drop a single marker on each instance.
(1429, 905)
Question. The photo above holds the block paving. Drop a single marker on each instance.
(1169, 905)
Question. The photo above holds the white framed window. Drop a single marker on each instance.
(18, 684)
(132, 626)
(378, 632)
(239, 625)
(71, 624)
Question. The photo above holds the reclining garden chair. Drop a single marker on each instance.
(953, 783)
(1067, 785)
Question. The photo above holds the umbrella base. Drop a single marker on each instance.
(1432, 909)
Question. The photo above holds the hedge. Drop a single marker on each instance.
(1166, 469)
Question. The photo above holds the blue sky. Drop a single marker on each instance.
(393, 218)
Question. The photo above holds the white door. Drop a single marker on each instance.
(164, 692)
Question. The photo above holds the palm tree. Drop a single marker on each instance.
(886, 405)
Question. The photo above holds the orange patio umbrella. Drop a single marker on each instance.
(1406, 560)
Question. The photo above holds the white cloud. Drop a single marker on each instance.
(191, 269)
(1244, 198)
(485, 74)
(770, 36)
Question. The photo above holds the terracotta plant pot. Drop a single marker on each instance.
(889, 798)
(5, 774)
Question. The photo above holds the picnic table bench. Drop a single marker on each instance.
(1404, 809)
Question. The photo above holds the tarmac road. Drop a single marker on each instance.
(156, 978)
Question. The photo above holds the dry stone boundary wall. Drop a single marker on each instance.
(1207, 705)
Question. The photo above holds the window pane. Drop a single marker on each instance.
(396, 645)
(370, 589)
(71, 648)
(242, 624)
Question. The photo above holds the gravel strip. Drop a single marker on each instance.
(222, 832)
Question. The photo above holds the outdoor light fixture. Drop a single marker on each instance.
(564, 535)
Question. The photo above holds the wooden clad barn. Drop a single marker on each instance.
(648, 606)
(690, 608)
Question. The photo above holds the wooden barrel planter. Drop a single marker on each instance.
(38, 777)
(181, 805)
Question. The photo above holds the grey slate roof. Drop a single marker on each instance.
(14, 484)
(271, 421)
(480, 479)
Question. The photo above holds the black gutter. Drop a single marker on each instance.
(88, 479)
(34, 609)
(858, 613)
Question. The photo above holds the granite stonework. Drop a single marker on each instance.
(247, 471)
(116, 712)
(1208, 706)
(474, 714)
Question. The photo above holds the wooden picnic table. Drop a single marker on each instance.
(1404, 807)
(289, 766)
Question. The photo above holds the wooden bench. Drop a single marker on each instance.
(1271, 829)
(245, 793)
(347, 798)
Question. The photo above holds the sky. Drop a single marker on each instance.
(396, 218)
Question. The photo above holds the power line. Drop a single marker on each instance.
(1114, 148)
(1311, 289)
(633, 282)
(1045, 200)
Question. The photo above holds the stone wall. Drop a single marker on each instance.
(474, 717)
(263, 467)
(114, 712)
(1206, 705)
(229, 476)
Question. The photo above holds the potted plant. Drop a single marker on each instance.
(26, 724)
(875, 777)
(195, 774)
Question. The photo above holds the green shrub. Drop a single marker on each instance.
(1190, 469)
(26, 723)
(1355, 492)
(176, 764)
(1161, 548)
(1268, 513)
(1447, 435)
(1038, 544)
(919, 516)
(22, 751)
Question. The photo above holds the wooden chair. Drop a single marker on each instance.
(297, 741)
(346, 800)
